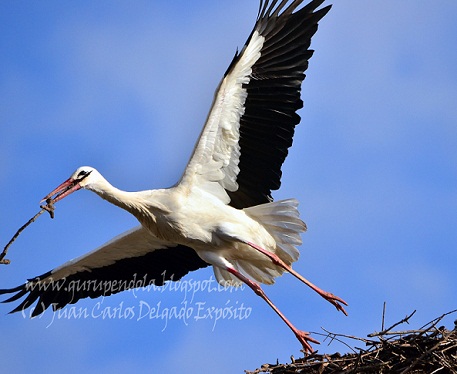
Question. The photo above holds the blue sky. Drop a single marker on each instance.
(126, 86)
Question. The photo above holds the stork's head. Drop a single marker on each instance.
(83, 177)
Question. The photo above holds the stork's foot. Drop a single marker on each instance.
(305, 339)
(335, 301)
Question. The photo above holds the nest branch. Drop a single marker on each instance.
(429, 349)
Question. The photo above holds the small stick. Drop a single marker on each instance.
(49, 207)
(404, 320)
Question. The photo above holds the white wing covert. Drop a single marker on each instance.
(250, 127)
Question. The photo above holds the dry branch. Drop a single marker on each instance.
(49, 207)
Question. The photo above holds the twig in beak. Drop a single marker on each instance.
(49, 207)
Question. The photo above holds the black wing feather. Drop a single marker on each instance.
(273, 97)
(154, 268)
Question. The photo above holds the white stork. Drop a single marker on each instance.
(221, 212)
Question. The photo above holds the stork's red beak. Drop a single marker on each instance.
(66, 188)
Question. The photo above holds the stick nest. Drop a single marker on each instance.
(430, 350)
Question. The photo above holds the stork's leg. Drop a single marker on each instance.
(302, 336)
(331, 298)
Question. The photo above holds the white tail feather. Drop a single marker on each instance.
(281, 219)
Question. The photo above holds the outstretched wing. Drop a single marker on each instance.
(250, 127)
(131, 260)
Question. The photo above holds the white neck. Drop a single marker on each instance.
(141, 204)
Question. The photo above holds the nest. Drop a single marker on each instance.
(429, 349)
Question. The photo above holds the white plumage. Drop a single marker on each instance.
(221, 212)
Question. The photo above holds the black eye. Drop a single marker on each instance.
(83, 173)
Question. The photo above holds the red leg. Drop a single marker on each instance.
(331, 298)
(302, 336)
